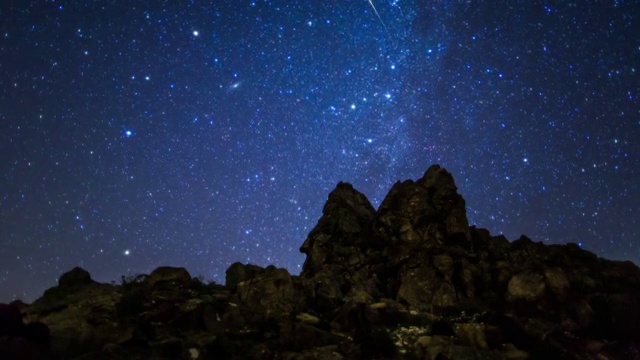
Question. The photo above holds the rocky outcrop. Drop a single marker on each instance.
(426, 212)
(410, 280)
(20, 340)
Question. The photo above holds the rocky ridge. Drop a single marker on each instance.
(411, 280)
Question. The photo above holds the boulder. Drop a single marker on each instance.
(168, 274)
(75, 279)
(239, 272)
(272, 292)
(528, 286)
(167, 286)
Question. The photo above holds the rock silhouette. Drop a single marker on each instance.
(410, 280)
(18, 340)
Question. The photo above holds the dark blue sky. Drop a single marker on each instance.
(135, 134)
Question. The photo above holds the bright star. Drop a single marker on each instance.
(127, 252)
(128, 133)
(195, 33)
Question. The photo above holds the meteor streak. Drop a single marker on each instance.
(378, 14)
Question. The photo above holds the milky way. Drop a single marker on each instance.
(198, 133)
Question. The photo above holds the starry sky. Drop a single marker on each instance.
(135, 134)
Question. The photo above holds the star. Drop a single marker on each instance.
(172, 131)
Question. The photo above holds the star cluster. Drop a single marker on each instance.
(137, 134)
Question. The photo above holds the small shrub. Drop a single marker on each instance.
(134, 297)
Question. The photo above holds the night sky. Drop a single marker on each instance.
(135, 134)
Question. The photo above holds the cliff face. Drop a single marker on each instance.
(410, 280)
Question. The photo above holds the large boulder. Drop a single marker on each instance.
(161, 293)
(527, 286)
(271, 292)
(75, 279)
(168, 275)
(239, 272)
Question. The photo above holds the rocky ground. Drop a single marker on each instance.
(411, 280)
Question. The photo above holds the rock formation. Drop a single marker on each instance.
(411, 280)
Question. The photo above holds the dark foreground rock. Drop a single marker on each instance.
(20, 340)
(411, 280)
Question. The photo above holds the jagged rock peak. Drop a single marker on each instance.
(413, 215)
(344, 196)
(437, 177)
(428, 211)
(346, 214)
